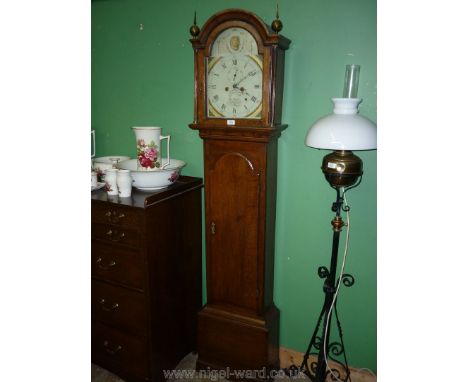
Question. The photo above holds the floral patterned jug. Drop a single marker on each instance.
(148, 143)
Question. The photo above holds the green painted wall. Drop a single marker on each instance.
(145, 77)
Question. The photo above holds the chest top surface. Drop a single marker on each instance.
(142, 199)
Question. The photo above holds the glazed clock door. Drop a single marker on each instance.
(233, 192)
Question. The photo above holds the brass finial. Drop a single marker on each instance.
(277, 25)
(194, 30)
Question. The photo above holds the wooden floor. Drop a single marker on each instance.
(287, 357)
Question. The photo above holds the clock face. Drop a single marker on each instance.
(234, 86)
(234, 76)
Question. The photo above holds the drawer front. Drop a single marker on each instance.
(106, 213)
(118, 307)
(118, 264)
(118, 351)
(115, 234)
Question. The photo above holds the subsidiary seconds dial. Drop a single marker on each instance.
(234, 86)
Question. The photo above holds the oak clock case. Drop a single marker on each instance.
(239, 63)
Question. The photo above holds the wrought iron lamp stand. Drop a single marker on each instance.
(321, 346)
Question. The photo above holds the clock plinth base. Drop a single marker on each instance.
(244, 343)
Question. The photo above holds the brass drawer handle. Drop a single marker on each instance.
(113, 217)
(114, 235)
(106, 308)
(111, 351)
(105, 267)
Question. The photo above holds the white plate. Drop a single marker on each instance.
(99, 186)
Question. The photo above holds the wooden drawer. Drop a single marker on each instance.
(118, 307)
(118, 264)
(106, 213)
(118, 351)
(115, 234)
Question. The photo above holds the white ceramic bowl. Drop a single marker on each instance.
(103, 163)
(153, 180)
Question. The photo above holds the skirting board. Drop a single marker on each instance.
(290, 357)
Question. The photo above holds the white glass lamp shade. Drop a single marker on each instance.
(345, 129)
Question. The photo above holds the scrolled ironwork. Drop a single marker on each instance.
(317, 342)
(335, 375)
(342, 374)
(335, 348)
(292, 371)
(323, 272)
(351, 187)
(336, 206)
(347, 280)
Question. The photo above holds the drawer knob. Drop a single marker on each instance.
(114, 235)
(114, 216)
(111, 351)
(107, 308)
(111, 264)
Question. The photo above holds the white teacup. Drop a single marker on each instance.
(111, 181)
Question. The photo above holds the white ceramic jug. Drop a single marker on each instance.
(148, 142)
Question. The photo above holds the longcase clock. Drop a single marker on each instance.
(239, 66)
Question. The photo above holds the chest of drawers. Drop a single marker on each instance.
(146, 279)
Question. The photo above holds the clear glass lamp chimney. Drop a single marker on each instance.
(351, 82)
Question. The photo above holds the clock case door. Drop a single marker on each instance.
(239, 325)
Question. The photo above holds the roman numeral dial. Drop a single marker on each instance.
(234, 86)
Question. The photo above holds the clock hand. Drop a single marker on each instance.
(235, 75)
(238, 82)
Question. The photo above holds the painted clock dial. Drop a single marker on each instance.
(234, 76)
(234, 87)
